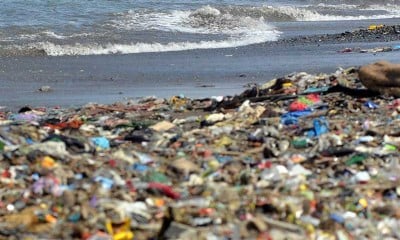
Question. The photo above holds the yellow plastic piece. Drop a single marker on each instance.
(363, 202)
(375, 27)
(287, 85)
(48, 162)
(213, 164)
(303, 187)
(122, 232)
(224, 141)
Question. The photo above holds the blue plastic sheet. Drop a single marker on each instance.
(140, 167)
(316, 90)
(106, 183)
(291, 118)
(320, 126)
(101, 142)
(337, 218)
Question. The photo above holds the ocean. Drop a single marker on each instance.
(102, 27)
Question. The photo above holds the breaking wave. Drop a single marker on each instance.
(205, 20)
(305, 14)
(234, 19)
(320, 12)
(358, 2)
(232, 31)
(52, 49)
(207, 27)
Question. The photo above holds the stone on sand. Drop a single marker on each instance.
(382, 77)
(45, 89)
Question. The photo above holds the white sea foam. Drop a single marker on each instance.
(390, 8)
(237, 31)
(335, 6)
(140, 20)
(52, 49)
(234, 25)
(304, 14)
(60, 36)
(39, 35)
(205, 20)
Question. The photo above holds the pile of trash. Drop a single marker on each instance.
(371, 50)
(300, 157)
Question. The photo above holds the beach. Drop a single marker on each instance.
(301, 157)
(76, 80)
(180, 119)
(109, 52)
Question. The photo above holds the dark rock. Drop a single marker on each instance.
(25, 109)
(382, 77)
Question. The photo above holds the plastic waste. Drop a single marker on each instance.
(304, 102)
(101, 142)
(320, 126)
(371, 105)
(292, 117)
(250, 166)
(356, 159)
(120, 231)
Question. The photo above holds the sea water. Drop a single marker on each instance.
(92, 27)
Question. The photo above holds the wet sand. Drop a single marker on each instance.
(76, 80)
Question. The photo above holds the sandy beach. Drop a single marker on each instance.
(76, 80)
(109, 52)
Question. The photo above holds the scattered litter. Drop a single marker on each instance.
(301, 157)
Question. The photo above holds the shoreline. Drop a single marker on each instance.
(377, 33)
(77, 80)
(299, 156)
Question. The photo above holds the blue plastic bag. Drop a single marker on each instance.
(371, 105)
(101, 142)
(292, 117)
(106, 183)
(320, 126)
